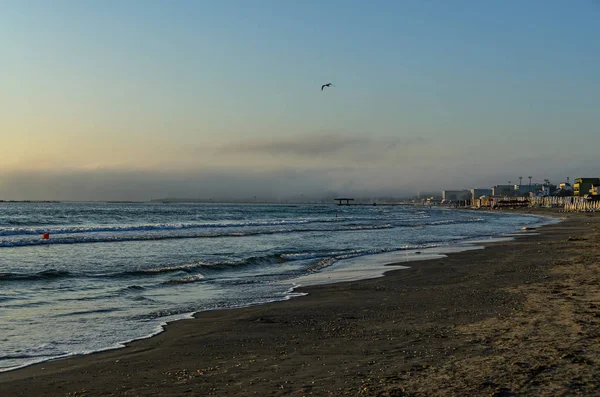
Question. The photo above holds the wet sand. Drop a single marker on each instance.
(517, 318)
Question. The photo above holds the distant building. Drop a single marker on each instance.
(432, 200)
(594, 192)
(551, 188)
(503, 190)
(456, 195)
(525, 190)
(544, 192)
(582, 186)
(427, 195)
(565, 190)
(477, 193)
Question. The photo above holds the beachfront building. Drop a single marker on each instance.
(455, 195)
(478, 193)
(594, 193)
(582, 186)
(565, 189)
(545, 191)
(526, 190)
(550, 187)
(503, 191)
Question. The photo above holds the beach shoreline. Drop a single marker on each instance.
(341, 339)
(350, 269)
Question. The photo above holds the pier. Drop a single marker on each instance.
(341, 199)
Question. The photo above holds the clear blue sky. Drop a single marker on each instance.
(191, 97)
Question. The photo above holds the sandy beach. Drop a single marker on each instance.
(520, 317)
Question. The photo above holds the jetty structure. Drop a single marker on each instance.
(340, 200)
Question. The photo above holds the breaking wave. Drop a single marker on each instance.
(21, 231)
(44, 275)
(151, 237)
(323, 259)
(186, 280)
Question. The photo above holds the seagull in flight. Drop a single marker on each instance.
(326, 85)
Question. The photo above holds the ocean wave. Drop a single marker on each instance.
(324, 259)
(349, 253)
(134, 288)
(187, 268)
(217, 265)
(24, 355)
(22, 231)
(143, 299)
(241, 281)
(154, 271)
(328, 260)
(441, 222)
(315, 255)
(43, 275)
(84, 312)
(186, 280)
(86, 298)
(153, 237)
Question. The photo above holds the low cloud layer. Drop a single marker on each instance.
(293, 168)
(316, 145)
(147, 185)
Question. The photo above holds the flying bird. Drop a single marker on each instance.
(326, 85)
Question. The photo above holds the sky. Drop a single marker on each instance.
(139, 100)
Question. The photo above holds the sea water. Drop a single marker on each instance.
(111, 273)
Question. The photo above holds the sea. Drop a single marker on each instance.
(115, 272)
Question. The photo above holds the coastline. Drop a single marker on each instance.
(356, 268)
(319, 342)
(365, 265)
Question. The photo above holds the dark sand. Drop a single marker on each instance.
(517, 318)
